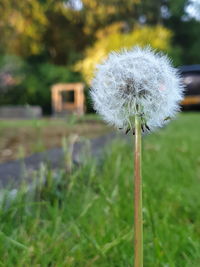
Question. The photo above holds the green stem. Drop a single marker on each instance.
(138, 224)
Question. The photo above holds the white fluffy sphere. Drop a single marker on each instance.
(138, 81)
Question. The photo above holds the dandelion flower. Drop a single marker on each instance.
(136, 82)
(139, 90)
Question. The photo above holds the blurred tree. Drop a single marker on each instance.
(98, 14)
(186, 28)
(26, 84)
(64, 38)
(113, 39)
(59, 31)
(49, 28)
(63, 32)
(22, 25)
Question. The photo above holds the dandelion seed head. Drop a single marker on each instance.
(138, 81)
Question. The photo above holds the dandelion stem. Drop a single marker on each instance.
(138, 225)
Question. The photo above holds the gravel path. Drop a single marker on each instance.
(13, 172)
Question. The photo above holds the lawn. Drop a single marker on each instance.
(20, 138)
(85, 218)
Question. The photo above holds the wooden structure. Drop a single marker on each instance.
(68, 98)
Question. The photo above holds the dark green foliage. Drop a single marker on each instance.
(33, 83)
(187, 38)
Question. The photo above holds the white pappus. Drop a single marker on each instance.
(138, 81)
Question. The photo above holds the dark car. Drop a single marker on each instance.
(191, 80)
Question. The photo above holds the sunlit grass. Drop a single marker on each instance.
(85, 218)
(48, 121)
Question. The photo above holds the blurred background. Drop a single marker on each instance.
(49, 50)
(44, 42)
(66, 183)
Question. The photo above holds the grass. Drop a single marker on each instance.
(20, 138)
(86, 218)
